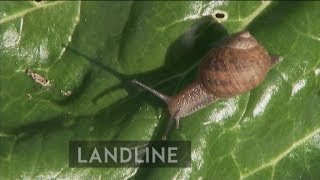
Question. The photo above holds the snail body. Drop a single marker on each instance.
(236, 66)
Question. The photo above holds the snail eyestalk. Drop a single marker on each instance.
(163, 97)
(169, 125)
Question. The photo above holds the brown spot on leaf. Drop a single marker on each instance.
(38, 78)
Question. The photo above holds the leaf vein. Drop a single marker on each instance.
(247, 20)
(275, 160)
(24, 12)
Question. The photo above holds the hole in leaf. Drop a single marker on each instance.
(219, 15)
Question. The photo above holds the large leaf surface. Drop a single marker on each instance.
(271, 132)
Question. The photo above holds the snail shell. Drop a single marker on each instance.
(237, 66)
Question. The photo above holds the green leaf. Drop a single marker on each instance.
(86, 53)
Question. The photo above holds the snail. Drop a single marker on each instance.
(236, 66)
